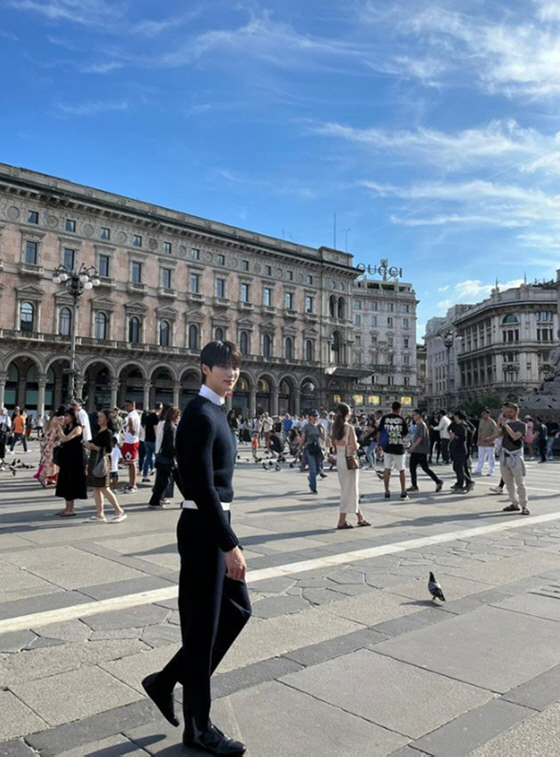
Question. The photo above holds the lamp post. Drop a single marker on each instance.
(448, 341)
(76, 282)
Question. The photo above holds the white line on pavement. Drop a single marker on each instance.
(86, 609)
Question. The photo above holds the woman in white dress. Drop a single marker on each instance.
(346, 446)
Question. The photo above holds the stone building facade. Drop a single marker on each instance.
(385, 340)
(442, 367)
(170, 282)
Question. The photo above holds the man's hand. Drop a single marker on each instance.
(236, 565)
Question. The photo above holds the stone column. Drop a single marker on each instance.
(114, 385)
(252, 402)
(297, 401)
(274, 401)
(3, 377)
(41, 394)
(78, 387)
(146, 395)
(176, 394)
(229, 402)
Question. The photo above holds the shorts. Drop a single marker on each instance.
(130, 452)
(393, 461)
(114, 475)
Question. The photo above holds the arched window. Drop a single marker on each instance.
(193, 337)
(267, 345)
(309, 351)
(64, 321)
(101, 323)
(26, 317)
(219, 335)
(335, 348)
(164, 334)
(244, 343)
(341, 308)
(289, 348)
(510, 320)
(332, 306)
(134, 330)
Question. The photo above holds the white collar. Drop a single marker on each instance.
(211, 395)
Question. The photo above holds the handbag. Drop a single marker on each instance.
(100, 468)
(162, 461)
(314, 449)
(352, 462)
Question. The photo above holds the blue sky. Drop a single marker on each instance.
(431, 129)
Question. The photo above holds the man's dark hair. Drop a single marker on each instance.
(158, 406)
(460, 414)
(223, 354)
(130, 402)
(513, 405)
(396, 406)
(417, 411)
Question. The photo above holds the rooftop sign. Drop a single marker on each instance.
(383, 270)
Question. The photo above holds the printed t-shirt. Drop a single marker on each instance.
(396, 428)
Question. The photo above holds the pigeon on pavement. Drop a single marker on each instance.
(435, 588)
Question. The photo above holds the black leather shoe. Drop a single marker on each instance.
(162, 697)
(214, 741)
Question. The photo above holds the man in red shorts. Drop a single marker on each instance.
(131, 443)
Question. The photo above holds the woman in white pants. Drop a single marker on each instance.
(345, 444)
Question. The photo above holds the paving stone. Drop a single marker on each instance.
(18, 584)
(69, 567)
(174, 618)
(383, 580)
(38, 663)
(454, 587)
(539, 692)
(501, 663)
(460, 606)
(132, 586)
(407, 751)
(252, 675)
(352, 590)
(70, 630)
(314, 583)
(114, 746)
(538, 736)
(512, 569)
(77, 694)
(342, 645)
(169, 604)
(133, 617)
(272, 607)
(475, 728)
(321, 596)
(274, 585)
(55, 741)
(533, 604)
(44, 641)
(523, 585)
(347, 577)
(162, 635)
(413, 622)
(30, 606)
(15, 640)
(372, 608)
(404, 698)
(121, 633)
(131, 670)
(16, 748)
(16, 718)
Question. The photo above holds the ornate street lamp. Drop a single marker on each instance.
(76, 283)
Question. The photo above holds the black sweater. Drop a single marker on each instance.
(205, 459)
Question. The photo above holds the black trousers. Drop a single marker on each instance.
(419, 459)
(164, 478)
(213, 610)
(542, 450)
(461, 466)
(445, 450)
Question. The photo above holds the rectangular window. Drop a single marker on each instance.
(267, 297)
(375, 306)
(389, 381)
(137, 240)
(244, 265)
(406, 381)
(194, 283)
(268, 270)
(195, 253)
(166, 278)
(104, 266)
(220, 260)
(309, 279)
(33, 217)
(406, 359)
(406, 323)
(31, 250)
(390, 321)
(374, 320)
(289, 300)
(136, 272)
(390, 307)
(309, 304)
(406, 342)
(105, 233)
(406, 308)
(390, 342)
(221, 288)
(245, 292)
(68, 258)
(167, 248)
(358, 319)
(290, 275)
(70, 225)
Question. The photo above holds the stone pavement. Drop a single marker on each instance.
(345, 655)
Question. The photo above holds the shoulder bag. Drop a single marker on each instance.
(100, 468)
(352, 462)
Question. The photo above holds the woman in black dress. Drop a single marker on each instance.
(71, 482)
(100, 449)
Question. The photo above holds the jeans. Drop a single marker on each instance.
(420, 459)
(141, 455)
(314, 466)
(19, 438)
(149, 450)
(550, 446)
(370, 452)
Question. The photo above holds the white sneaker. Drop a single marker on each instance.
(118, 518)
(496, 490)
(95, 519)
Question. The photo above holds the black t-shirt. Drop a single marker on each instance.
(104, 440)
(396, 428)
(150, 422)
(459, 430)
(514, 444)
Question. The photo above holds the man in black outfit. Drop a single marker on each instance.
(213, 599)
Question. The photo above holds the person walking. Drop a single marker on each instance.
(18, 430)
(165, 458)
(392, 430)
(458, 449)
(5, 427)
(214, 603)
(71, 480)
(443, 430)
(233, 423)
(541, 433)
(552, 429)
(486, 428)
(419, 451)
(100, 481)
(311, 445)
(131, 444)
(512, 465)
(150, 422)
(345, 444)
(529, 437)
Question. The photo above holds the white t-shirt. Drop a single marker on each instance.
(442, 427)
(84, 420)
(116, 455)
(132, 438)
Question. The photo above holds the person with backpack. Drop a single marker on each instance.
(392, 431)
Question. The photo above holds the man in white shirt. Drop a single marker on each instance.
(131, 443)
(443, 428)
(83, 418)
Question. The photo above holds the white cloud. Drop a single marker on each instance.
(93, 108)
(83, 12)
(102, 68)
(472, 291)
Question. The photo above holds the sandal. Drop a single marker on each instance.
(511, 509)
(64, 514)
(525, 511)
(363, 523)
(346, 525)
